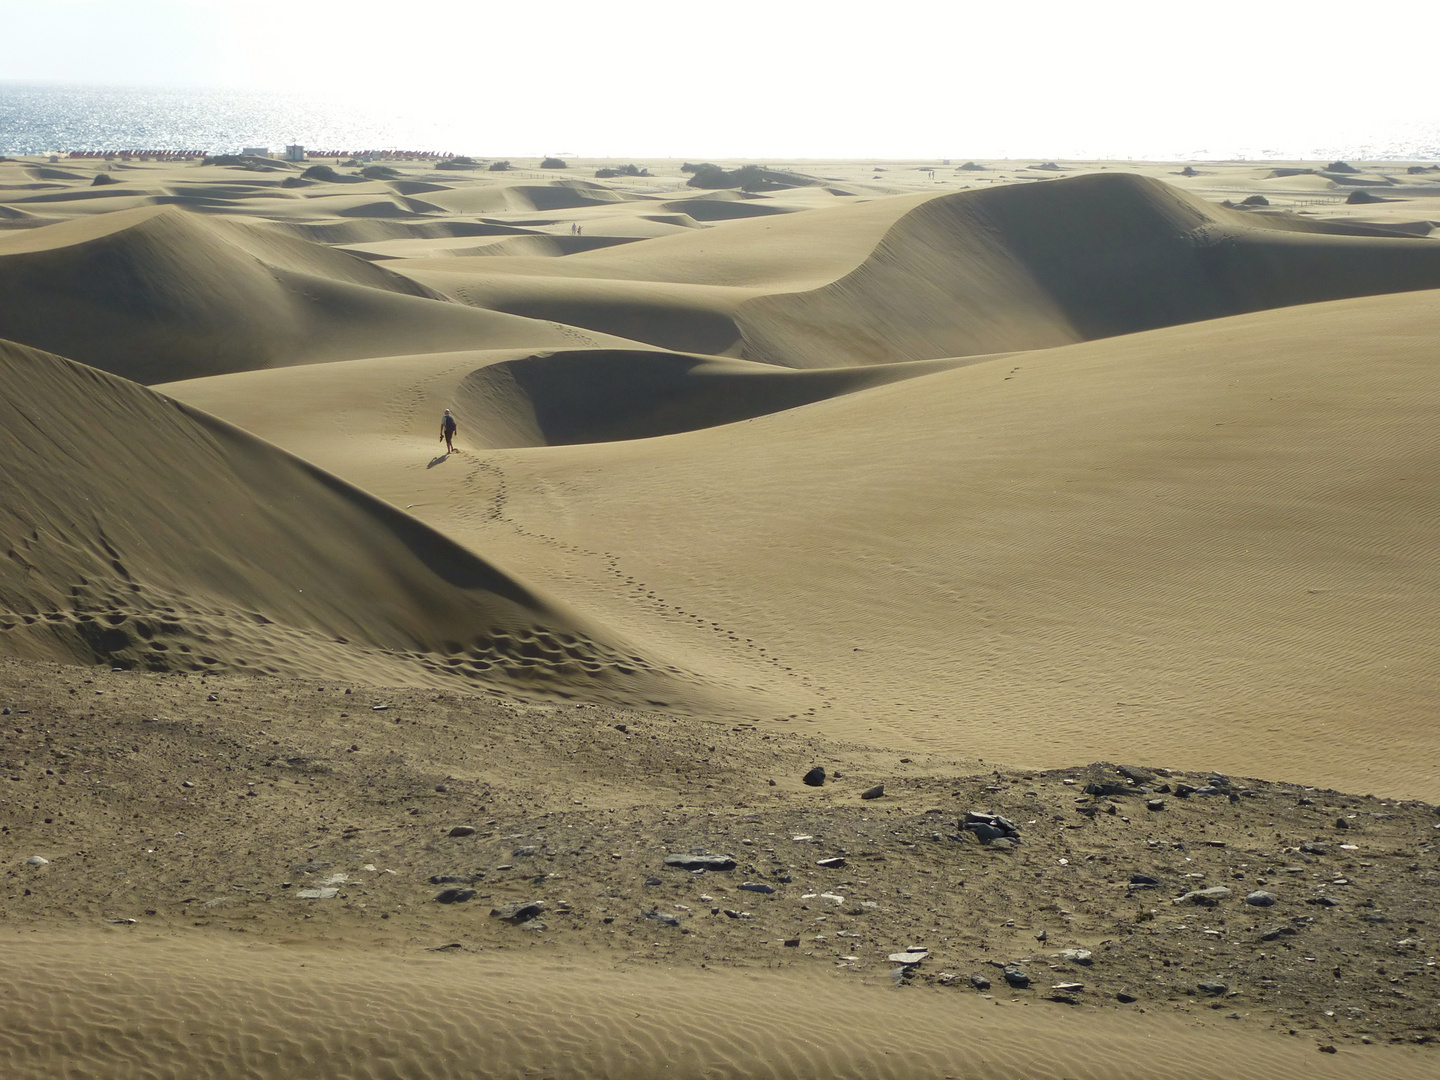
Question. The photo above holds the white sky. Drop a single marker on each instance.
(893, 78)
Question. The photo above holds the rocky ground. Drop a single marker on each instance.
(317, 814)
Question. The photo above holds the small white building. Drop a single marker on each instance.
(294, 153)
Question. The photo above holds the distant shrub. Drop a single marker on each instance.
(553, 163)
(701, 167)
(321, 172)
(747, 178)
(1341, 166)
(1255, 200)
(380, 172)
(621, 170)
(971, 166)
(500, 166)
(101, 179)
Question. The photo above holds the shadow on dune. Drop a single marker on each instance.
(585, 396)
(1027, 267)
(142, 532)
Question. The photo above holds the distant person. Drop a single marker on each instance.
(447, 431)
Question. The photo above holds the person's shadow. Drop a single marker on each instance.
(437, 461)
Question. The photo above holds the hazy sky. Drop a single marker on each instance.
(786, 78)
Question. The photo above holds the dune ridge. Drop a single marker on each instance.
(157, 295)
(220, 552)
(1070, 260)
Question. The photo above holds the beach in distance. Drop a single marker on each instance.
(871, 618)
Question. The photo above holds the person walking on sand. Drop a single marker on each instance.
(447, 432)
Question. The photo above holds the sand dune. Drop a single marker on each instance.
(948, 479)
(216, 551)
(1081, 258)
(131, 1008)
(156, 295)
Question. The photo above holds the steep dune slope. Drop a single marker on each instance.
(137, 531)
(1026, 267)
(157, 294)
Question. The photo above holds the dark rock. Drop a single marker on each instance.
(1145, 880)
(452, 879)
(1274, 933)
(1311, 848)
(986, 833)
(873, 793)
(454, 896)
(463, 830)
(1107, 789)
(1155, 804)
(1322, 901)
(518, 912)
(792, 943)
(815, 777)
(1005, 843)
(1016, 978)
(1125, 998)
(1215, 989)
(757, 886)
(1183, 791)
(700, 862)
(980, 982)
(652, 881)
(525, 852)
(834, 863)
(1328, 1048)
(1261, 898)
(1139, 776)
(1083, 957)
(736, 914)
(1341, 823)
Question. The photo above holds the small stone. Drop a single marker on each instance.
(1144, 881)
(834, 863)
(1125, 997)
(1005, 843)
(187, 783)
(518, 912)
(451, 879)
(1341, 823)
(910, 957)
(815, 777)
(729, 914)
(1261, 898)
(873, 793)
(1205, 897)
(1323, 901)
(1082, 957)
(1272, 933)
(454, 896)
(1041, 937)
(37, 860)
(1068, 987)
(316, 894)
(1155, 804)
(526, 852)
(661, 917)
(463, 830)
(757, 886)
(1017, 978)
(1215, 989)
(622, 728)
(652, 881)
(1328, 1048)
(980, 982)
(1312, 848)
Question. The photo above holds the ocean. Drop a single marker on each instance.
(36, 119)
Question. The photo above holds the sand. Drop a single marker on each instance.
(963, 482)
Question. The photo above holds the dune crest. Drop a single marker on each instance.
(1032, 267)
(219, 552)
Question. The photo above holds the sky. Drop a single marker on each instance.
(899, 78)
